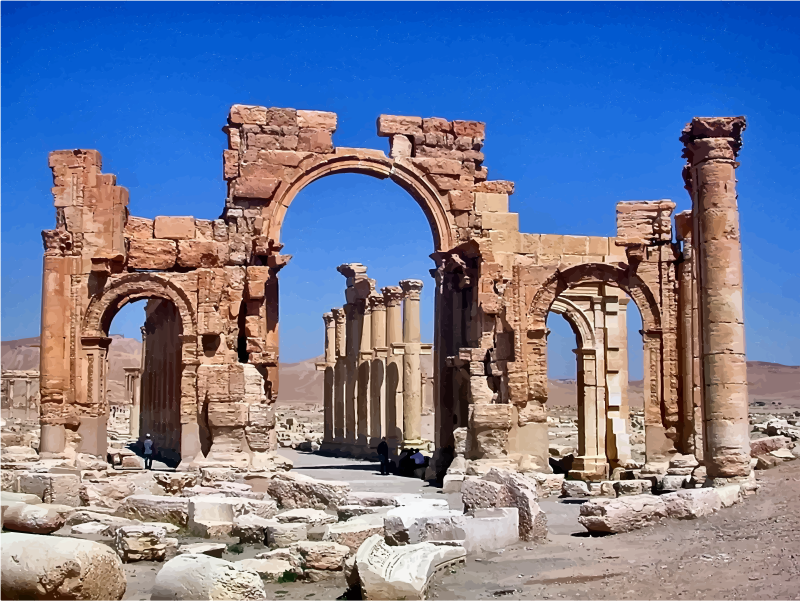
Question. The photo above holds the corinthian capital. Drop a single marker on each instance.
(712, 138)
(392, 295)
(411, 288)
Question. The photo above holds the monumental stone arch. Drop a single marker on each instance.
(212, 290)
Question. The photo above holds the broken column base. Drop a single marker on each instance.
(589, 469)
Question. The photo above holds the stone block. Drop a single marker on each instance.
(396, 124)
(623, 514)
(673, 482)
(139, 228)
(574, 489)
(354, 532)
(41, 518)
(522, 494)
(691, 504)
(315, 140)
(452, 483)
(405, 572)
(106, 493)
(285, 535)
(153, 508)
(143, 542)
(198, 576)
(244, 113)
(270, 570)
(62, 489)
(471, 129)
(762, 446)
(200, 253)
(132, 462)
(316, 120)
(259, 187)
(321, 555)
(491, 203)
(7, 498)
(35, 567)
(294, 491)
(210, 549)
(375, 499)
(460, 200)
(174, 228)
(110, 522)
(400, 146)
(312, 517)
(417, 523)
(730, 495)
(174, 483)
(633, 487)
(500, 221)
(151, 254)
(491, 529)
(250, 529)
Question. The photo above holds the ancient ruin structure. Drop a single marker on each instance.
(213, 310)
(373, 386)
(20, 393)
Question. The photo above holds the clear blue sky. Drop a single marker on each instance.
(584, 104)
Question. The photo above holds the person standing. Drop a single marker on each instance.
(149, 447)
(383, 453)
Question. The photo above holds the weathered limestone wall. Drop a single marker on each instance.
(160, 413)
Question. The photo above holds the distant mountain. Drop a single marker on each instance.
(301, 383)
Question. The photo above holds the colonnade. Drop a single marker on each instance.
(373, 382)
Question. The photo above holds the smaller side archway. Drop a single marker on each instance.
(168, 302)
(605, 429)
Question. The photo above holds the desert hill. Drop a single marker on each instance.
(301, 383)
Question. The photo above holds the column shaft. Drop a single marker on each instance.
(711, 148)
(412, 394)
(392, 295)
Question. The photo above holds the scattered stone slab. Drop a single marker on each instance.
(197, 576)
(106, 493)
(730, 495)
(674, 482)
(210, 549)
(412, 524)
(250, 529)
(285, 535)
(44, 567)
(19, 454)
(291, 555)
(269, 569)
(633, 487)
(477, 493)
(404, 572)
(312, 517)
(451, 483)
(574, 489)
(15, 497)
(523, 496)
(132, 462)
(491, 529)
(767, 462)
(293, 491)
(141, 542)
(622, 514)
(783, 454)
(373, 499)
(321, 555)
(90, 528)
(35, 519)
(549, 484)
(345, 512)
(154, 508)
(354, 532)
(692, 503)
(111, 522)
(61, 489)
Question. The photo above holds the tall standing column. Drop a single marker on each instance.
(377, 379)
(329, 384)
(712, 145)
(364, 368)
(339, 375)
(392, 296)
(412, 393)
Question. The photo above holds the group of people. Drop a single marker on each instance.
(411, 462)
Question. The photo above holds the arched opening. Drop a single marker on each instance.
(596, 432)
(348, 220)
(154, 389)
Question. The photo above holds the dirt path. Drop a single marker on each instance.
(750, 551)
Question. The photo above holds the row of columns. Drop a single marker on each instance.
(373, 376)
